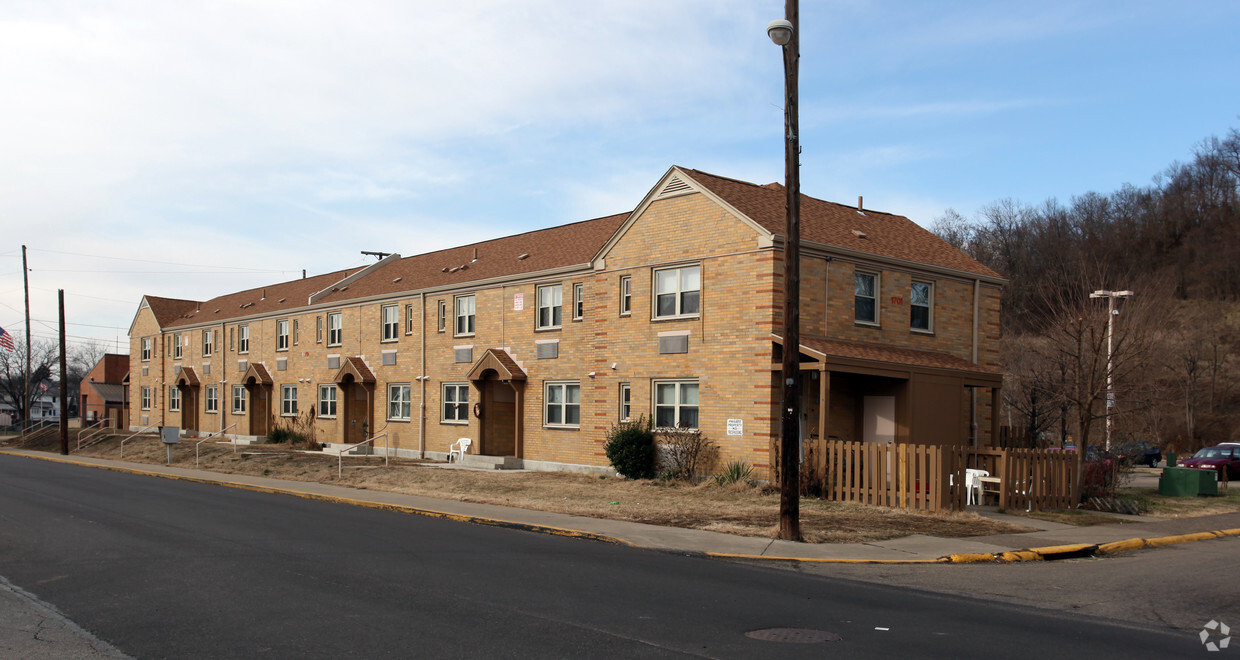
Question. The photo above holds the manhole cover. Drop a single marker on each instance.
(793, 635)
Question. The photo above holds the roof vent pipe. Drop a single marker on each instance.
(860, 208)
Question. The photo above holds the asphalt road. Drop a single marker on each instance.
(163, 568)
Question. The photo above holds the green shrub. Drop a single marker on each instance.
(735, 472)
(630, 448)
(278, 435)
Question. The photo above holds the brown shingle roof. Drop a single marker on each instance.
(829, 223)
(260, 300)
(909, 357)
(168, 310)
(555, 247)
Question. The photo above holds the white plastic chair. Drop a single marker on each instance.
(459, 448)
(973, 482)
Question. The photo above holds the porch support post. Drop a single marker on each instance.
(824, 400)
(518, 432)
(994, 416)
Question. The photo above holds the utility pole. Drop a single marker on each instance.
(26, 389)
(1111, 313)
(64, 382)
(786, 34)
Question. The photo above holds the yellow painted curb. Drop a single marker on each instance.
(825, 560)
(1020, 555)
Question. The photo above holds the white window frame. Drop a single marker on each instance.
(176, 346)
(146, 397)
(296, 332)
(462, 316)
(146, 349)
(678, 388)
(626, 295)
(454, 409)
(409, 319)
(564, 406)
(389, 323)
(174, 398)
(282, 335)
(554, 307)
(288, 400)
(579, 301)
(399, 402)
(238, 399)
(929, 306)
(626, 402)
(208, 342)
(857, 296)
(442, 316)
(212, 400)
(678, 295)
(335, 328)
(328, 395)
(243, 338)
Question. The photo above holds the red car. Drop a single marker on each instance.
(1217, 458)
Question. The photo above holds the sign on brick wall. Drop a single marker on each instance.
(518, 302)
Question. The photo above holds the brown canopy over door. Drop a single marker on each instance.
(357, 387)
(500, 388)
(257, 383)
(187, 381)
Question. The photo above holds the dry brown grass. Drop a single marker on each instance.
(736, 509)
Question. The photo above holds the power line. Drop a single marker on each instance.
(168, 263)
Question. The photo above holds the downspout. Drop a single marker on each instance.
(422, 380)
(973, 439)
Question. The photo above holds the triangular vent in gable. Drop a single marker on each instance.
(675, 186)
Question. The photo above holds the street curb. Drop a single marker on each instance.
(399, 508)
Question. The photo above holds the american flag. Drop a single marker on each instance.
(6, 340)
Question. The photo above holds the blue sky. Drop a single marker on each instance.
(212, 147)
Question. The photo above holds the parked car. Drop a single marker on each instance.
(1224, 459)
(1138, 452)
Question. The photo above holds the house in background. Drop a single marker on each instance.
(534, 345)
(103, 392)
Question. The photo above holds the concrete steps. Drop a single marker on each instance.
(479, 462)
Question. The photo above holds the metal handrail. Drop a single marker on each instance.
(209, 436)
(104, 423)
(138, 433)
(340, 456)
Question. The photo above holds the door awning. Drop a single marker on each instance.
(187, 377)
(257, 373)
(354, 369)
(499, 361)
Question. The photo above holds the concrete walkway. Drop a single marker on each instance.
(1051, 540)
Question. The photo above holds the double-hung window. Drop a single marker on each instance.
(579, 301)
(146, 349)
(243, 339)
(335, 329)
(391, 322)
(208, 342)
(213, 398)
(562, 404)
(921, 306)
(176, 346)
(865, 298)
(626, 398)
(282, 335)
(146, 397)
(550, 306)
(456, 403)
(677, 292)
(626, 295)
(238, 399)
(174, 398)
(288, 400)
(465, 308)
(676, 404)
(327, 400)
(441, 315)
(408, 319)
(399, 397)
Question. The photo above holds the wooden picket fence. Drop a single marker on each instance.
(931, 478)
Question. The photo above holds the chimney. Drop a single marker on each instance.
(303, 273)
(860, 208)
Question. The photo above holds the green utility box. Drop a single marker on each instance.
(1170, 459)
(1187, 482)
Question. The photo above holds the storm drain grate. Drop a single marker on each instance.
(793, 635)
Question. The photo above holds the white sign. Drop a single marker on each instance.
(736, 427)
(518, 302)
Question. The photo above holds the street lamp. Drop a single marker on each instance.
(785, 35)
(1111, 314)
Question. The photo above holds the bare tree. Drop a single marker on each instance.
(13, 370)
(1031, 385)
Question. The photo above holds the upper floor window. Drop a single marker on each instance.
(335, 329)
(146, 349)
(579, 301)
(399, 401)
(213, 398)
(865, 297)
(391, 322)
(676, 404)
(208, 342)
(176, 346)
(677, 292)
(550, 306)
(174, 398)
(318, 329)
(465, 308)
(626, 295)
(456, 403)
(243, 339)
(563, 404)
(282, 335)
(296, 332)
(921, 305)
(288, 400)
(442, 316)
(408, 319)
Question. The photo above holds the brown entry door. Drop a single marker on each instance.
(259, 409)
(499, 419)
(356, 413)
(189, 408)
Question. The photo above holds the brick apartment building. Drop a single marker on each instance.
(103, 391)
(534, 345)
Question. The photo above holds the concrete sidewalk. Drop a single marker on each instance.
(1051, 540)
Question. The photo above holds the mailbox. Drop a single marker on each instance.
(171, 435)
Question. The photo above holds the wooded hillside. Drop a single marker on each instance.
(1175, 244)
